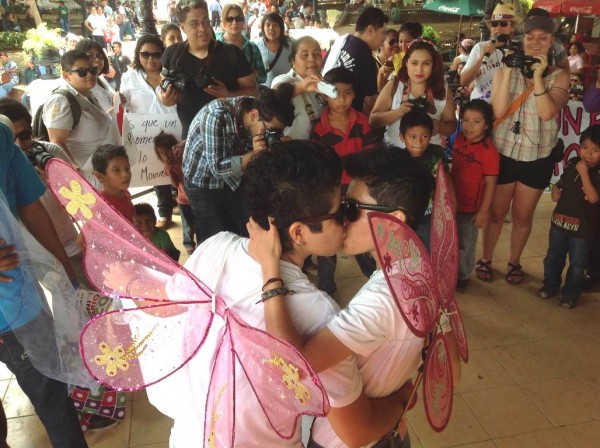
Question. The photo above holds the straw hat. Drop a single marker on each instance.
(505, 12)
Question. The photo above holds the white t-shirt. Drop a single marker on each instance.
(223, 264)
(392, 131)
(300, 128)
(97, 22)
(140, 98)
(483, 82)
(387, 352)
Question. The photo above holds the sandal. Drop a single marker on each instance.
(484, 270)
(515, 274)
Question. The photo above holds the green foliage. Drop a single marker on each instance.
(431, 34)
(526, 6)
(11, 40)
(19, 8)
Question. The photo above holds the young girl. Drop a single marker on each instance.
(420, 81)
(170, 153)
(475, 166)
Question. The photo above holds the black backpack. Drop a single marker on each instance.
(40, 132)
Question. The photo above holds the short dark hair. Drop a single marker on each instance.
(291, 181)
(275, 18)
(592, 133)
(579, 45)
(414, 29)
(14, 110)
(169, 27)
(146, 39)
(486, 110)
(413, 119)
(144, 209)
(276, 103)
(67, 61)
(340, 74)
(104, 154)
(116, 42)
(394, 179)
(371, 16)
(88, 44)
(185, 6)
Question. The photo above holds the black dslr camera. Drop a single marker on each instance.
(38, 155)
(272, 136)
(519, 60)
(419, 104)
(182, 82)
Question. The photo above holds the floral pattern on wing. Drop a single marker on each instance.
(290, 377)
(78, 201)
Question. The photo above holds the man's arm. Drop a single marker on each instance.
(35, 217)
(9, 260)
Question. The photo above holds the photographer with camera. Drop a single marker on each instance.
(223, 138)
(201, 69)
(486, 57)
(527, 95)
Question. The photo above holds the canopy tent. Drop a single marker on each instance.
(469, 8)
(569, 8)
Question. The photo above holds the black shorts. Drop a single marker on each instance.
(536, 174)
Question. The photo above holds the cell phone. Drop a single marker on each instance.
(327, 89)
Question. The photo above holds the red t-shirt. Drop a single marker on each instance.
(471, 162)
(355, 139)
(123, 204)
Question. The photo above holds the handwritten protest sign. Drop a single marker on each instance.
(572, 121)
(139, 131)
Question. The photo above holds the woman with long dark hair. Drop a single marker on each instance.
(274, 47)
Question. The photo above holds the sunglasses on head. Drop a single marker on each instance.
(352, 209)
(150, 54)
(231, 19)
(25, 134)
(495, 23)
(82, 72)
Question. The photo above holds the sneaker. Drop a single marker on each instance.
(164, 223)
(568, 302)
(546, 293)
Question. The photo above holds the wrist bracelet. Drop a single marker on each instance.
(540, 94)
(274, 293)
(272, 280)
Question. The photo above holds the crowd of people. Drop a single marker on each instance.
(284, 150)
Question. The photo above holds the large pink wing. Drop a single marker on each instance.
(458, 329)
(444, 238)
(438, 387)
(408, 271)
(130, 349)
(119, 261)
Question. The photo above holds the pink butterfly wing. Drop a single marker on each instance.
(458, 330)
(444, 238)
(408, 271)
(284, 383)
(117, 255)
(130, 349)
(437, 384)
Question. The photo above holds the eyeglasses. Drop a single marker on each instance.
(351, 209)
(392, 42)
(150, 54)
(231, 19)
(195, 24)
(495, 23)
(25, 134)
(82, 72)
(338, 216)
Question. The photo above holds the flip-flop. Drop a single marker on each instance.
(484, 270)
(515, 274)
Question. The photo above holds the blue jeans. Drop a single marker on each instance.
(126, 28)
(165, 202)
(560, 244)
(64, 24)
(467, 241)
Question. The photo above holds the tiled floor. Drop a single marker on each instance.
(533, 378)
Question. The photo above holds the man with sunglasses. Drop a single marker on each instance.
(371, 326)
(486, 57)
(78, 139)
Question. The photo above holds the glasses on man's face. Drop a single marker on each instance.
(231, 19)
(194, 24)
(496, 23)
(351, 209)
(25, 134)
(82, 72)
(150, 54)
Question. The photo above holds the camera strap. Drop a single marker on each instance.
(514, 106)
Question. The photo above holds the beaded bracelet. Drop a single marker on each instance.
(274, 293)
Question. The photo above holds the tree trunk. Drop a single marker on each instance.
(35, 11)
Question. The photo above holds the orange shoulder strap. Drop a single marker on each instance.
(514, 106)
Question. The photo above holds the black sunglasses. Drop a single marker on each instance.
(82, 72)
(25, 134)
(351, 209)
(150, 54)
(495, 23)
(231, 19)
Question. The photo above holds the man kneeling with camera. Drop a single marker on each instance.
(222, 139)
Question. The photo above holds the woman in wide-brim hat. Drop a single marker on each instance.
(485, 58)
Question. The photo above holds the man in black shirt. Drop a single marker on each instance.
(120, 62)
(211, 69)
